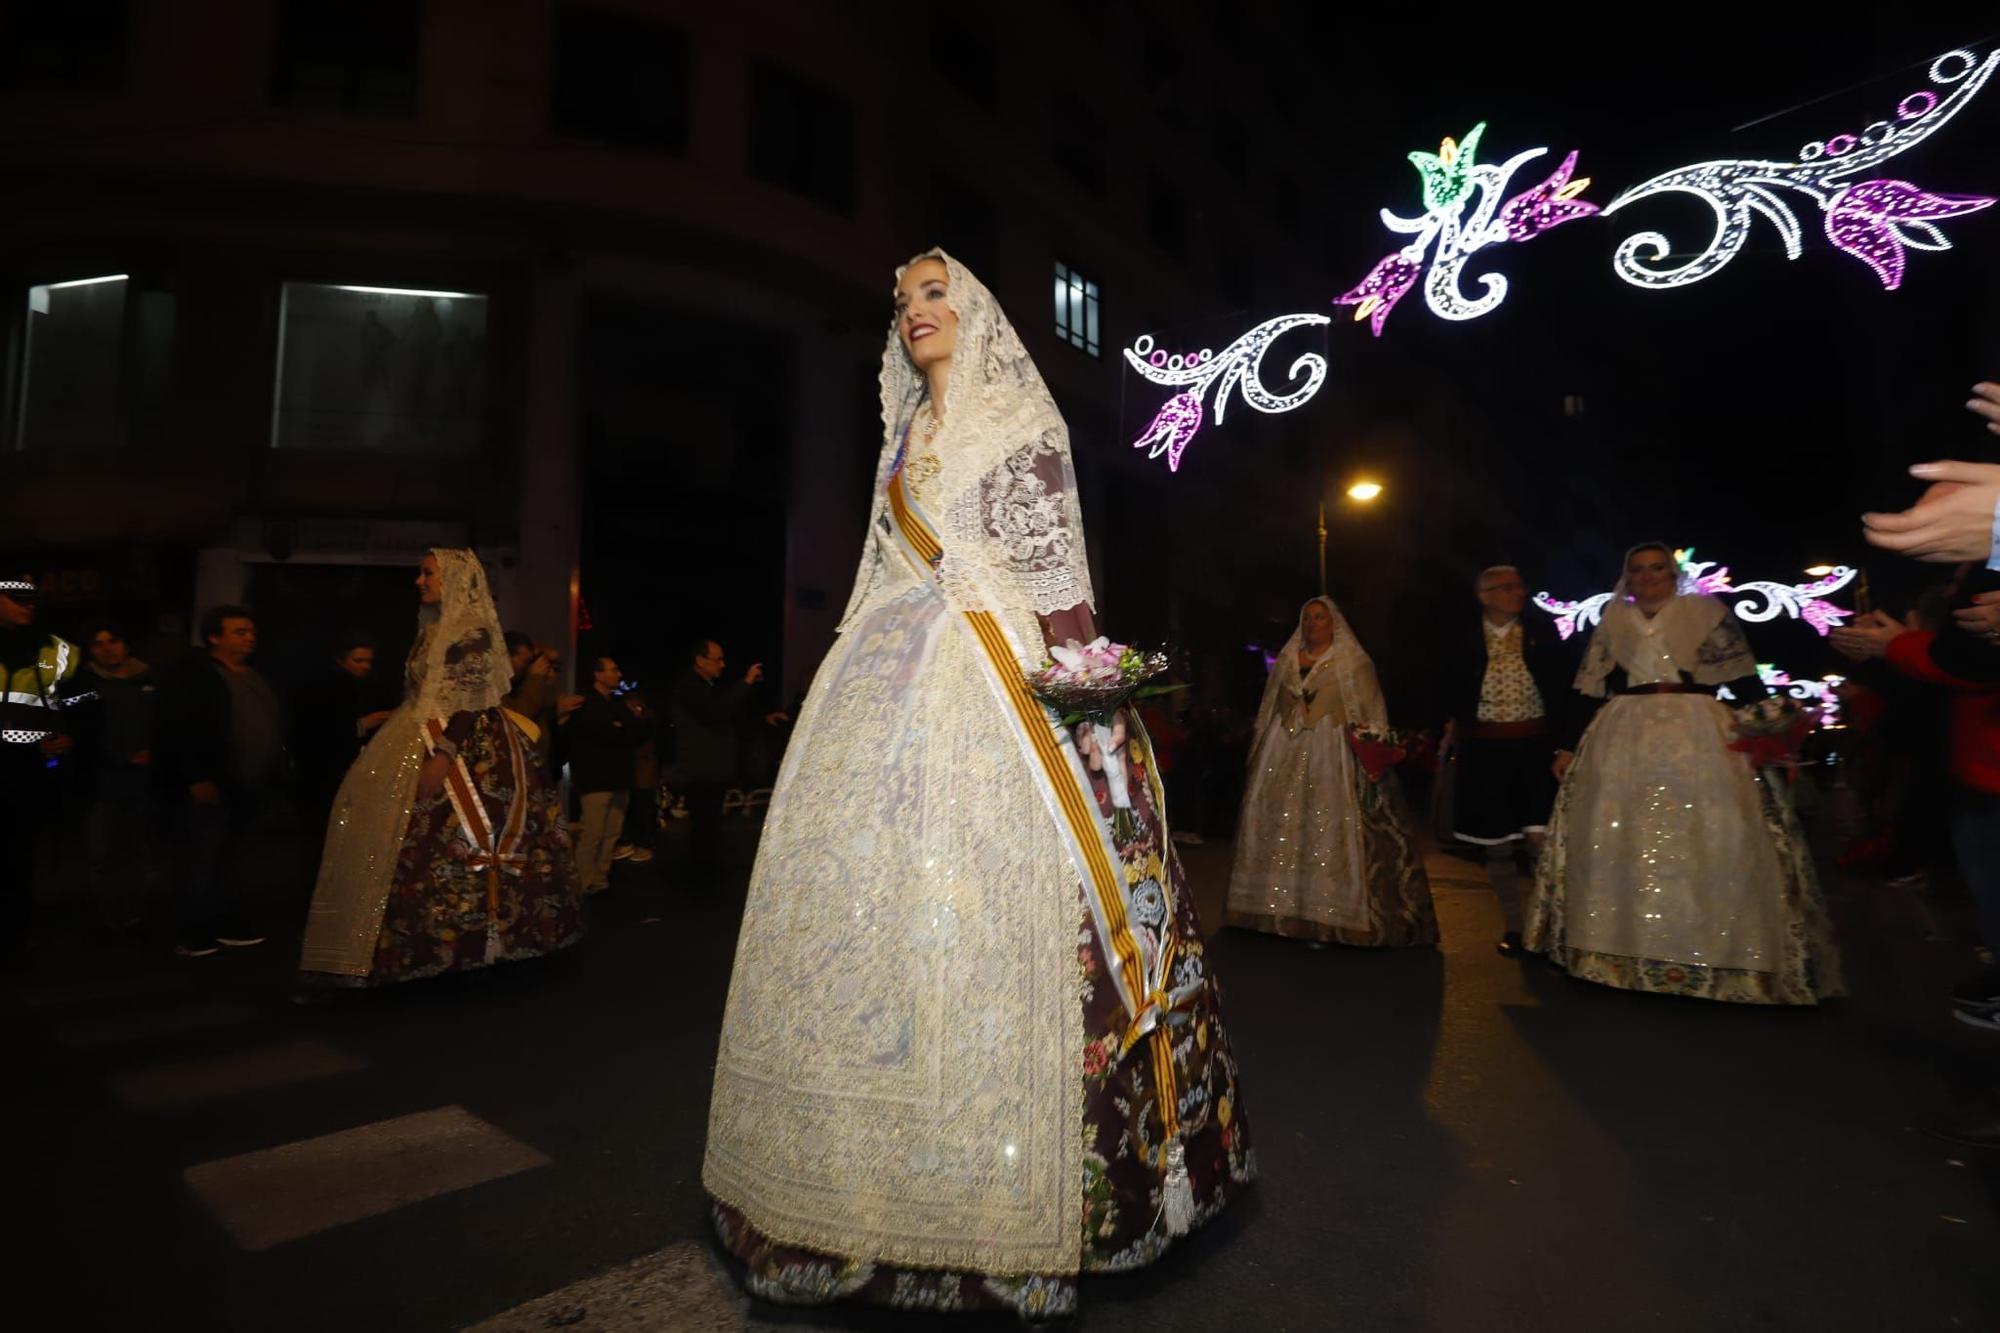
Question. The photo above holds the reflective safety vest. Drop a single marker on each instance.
(33, 693)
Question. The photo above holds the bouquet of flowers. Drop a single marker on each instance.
(1091, 681)
(1771, 730)
(1377, 750)
(1088, 683)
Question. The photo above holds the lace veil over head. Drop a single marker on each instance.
(459, 661)
(1005, 495)
(1621, 591)
(1699, 634)
(1345, 659)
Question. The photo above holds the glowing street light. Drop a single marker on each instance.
(1818, 571)
(1364, 491)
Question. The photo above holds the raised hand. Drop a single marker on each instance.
(1952, 522)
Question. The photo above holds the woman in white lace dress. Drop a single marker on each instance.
(1323, 851)
(948, 954)
(1673, 863)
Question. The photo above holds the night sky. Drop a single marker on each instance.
(1753, 416)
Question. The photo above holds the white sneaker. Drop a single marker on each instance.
(623, 851)
(639, 856)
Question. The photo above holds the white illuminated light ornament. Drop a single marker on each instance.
(1821, 696)
(1755, 602)
(1240, 366)
(1874, 220)
(1453, 179)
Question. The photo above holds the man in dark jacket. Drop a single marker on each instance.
(708, 720)
(220, 752)
(122, 752)
(603, 736)
(1509, 686)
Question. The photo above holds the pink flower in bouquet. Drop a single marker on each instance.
(1098, 662)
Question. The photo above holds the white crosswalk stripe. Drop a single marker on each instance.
(281, 1194)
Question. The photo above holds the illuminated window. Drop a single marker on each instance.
(380, 370)
(1076, 309)
(71, 379)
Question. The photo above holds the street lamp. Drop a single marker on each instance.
(1818, 571)
(1361, 492)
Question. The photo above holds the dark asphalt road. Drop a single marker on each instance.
(1449, 1141)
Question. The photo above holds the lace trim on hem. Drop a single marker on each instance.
(797, 1241)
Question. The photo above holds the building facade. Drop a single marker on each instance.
(297, 288)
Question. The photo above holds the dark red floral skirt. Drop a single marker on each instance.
(446, 912)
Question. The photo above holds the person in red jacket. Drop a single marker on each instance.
(1957, 520)
(1956, 662)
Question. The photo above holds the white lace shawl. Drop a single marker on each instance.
(1702, 635)
(459, 661)
(1005, 495)
(1345, 660)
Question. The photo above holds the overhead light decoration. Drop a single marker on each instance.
(1239, 367)
(1876, 220)
(1821, 697)
(1755, 602)
(1446, 234)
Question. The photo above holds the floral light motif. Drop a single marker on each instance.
(1873, 219)
(1240, 366)
(1876, 219)
(1453, 180)
(1171, 429)
(1821, 697)
(1755, 602)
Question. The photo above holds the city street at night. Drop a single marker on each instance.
(929, 664)
(1448, 1140)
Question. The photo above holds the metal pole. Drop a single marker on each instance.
(1322, 548)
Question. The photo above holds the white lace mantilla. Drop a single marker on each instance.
(1003, 488)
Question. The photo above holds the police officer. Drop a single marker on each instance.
(38, 681)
